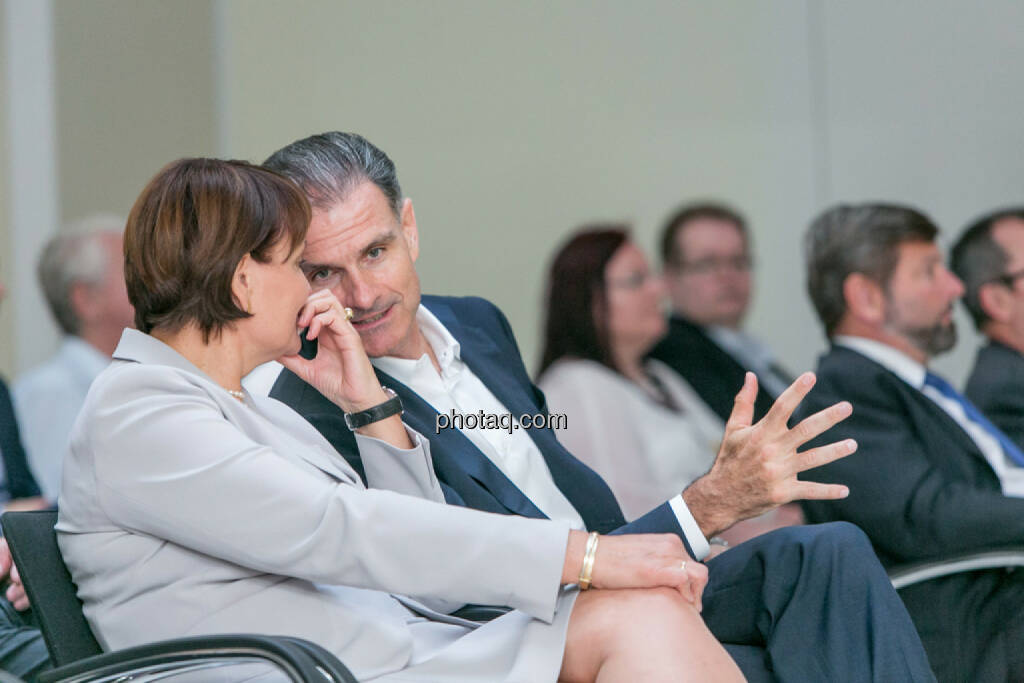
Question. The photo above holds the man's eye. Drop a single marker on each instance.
(318, 274)
(375, 252)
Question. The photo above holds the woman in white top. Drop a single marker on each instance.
(632, 419)
(190, 506)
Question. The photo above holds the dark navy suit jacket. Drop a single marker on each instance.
(713, 373)
(921, 489)
(996, 386)
(467, 476)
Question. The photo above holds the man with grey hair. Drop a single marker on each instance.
(81, 272)
(929, 478)
(989, 258)
(798, 590)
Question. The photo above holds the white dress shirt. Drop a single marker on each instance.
(47, 400)
(261, 380)
(457, 388)
(913, 373)
(517, 456)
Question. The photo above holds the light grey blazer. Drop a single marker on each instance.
(184, 511)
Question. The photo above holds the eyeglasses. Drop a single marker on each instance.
(739, 264)
(635, 281)
(1009, 279)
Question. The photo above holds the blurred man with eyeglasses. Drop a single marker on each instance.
(706, 260)
(989, 258)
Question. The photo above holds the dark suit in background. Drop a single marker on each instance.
(996, 386)
(921, 489)
(712, 372)
(766, 599)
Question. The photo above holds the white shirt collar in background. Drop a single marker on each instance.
(751, 353)
(893, 360)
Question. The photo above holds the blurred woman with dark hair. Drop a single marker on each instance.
(190, 506)
(633, 420)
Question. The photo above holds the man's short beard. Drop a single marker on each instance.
(932, 340)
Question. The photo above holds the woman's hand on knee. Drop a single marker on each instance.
(648, 561)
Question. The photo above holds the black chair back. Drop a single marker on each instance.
(51, 591)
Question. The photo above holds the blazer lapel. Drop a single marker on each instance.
(949, 428)
(453, 453)
(584, 488)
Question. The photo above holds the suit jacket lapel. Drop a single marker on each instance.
(583, 487)
(917, 399)
(453, 452)
(950, 428)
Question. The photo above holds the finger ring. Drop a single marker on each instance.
(682, 567)
(348, 313)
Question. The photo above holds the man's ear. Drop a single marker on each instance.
(412, 236)
(865, 300)
(83, 302)
(996, 301)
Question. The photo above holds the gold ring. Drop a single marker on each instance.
(682, 567)
(348, 313)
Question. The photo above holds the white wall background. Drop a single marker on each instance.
(513, 123)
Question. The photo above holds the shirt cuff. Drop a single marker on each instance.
(698, 544)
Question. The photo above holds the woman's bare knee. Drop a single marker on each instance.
(651, 631)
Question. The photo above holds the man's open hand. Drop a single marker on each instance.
(757, 465)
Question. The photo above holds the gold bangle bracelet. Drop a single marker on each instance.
(588, 562)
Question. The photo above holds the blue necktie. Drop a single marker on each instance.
(974, 415)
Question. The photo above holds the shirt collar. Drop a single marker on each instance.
(446, 348)
(896, 362)
(740, 343)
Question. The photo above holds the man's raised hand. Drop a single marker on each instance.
(757, 464)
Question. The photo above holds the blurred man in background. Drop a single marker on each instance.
(989, 258)
(706, 260)
(81, 272)
(929, 478)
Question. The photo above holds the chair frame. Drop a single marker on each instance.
(909, 574)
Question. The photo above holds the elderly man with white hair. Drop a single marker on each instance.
(81, 272)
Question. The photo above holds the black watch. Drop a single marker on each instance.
(392, 406)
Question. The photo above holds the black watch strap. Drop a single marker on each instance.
(392, 406)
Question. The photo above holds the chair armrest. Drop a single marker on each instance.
(324, 659)
(905, 575)
(301, 660)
